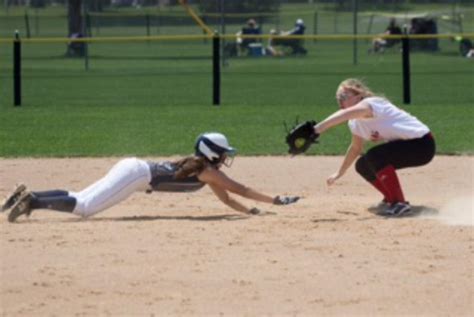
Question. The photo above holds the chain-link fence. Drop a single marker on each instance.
(320, 17)
(131, 57)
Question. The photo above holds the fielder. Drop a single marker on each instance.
(129, 175)
(403, 141)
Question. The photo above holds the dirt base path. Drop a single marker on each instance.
(189, 255)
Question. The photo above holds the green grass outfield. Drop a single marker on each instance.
(155, 98)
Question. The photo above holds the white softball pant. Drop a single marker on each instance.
(126, 177)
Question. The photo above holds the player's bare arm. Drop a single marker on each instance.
(226, 199)
(361, 110)
(219, 179)
(353, 152)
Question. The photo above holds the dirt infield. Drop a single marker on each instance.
(189, 255)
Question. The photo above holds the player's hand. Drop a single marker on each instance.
(332, 179)
(255, 211)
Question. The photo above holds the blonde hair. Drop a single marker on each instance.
(355, 85)
(190, 165)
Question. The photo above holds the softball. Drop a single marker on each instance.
(299, 142)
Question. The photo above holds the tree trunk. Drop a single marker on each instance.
(75, 28)
(74, 14)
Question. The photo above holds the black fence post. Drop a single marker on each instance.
(260, 21)
(87, 32)
(355, 8)
(86, 55)
(315, 25)
(147, 24)
(37, 27)
(216, 70)
(277, 23)
(406, 68)
(88, 29)
(369, 26)
(27, 25)
(17, 69)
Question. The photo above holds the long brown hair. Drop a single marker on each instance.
(190, 165)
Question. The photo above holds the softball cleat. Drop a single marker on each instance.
(398, 210)
(21, 207)
(12, 199)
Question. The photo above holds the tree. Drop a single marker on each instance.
(243, 6)
(74, 16)
(75, 28)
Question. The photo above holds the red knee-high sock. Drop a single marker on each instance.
(381, 188)
(388, 178)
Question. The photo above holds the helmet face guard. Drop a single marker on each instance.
(228, 158)
(215, 148)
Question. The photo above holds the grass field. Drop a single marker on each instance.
(155, 98)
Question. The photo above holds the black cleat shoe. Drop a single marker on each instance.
(12, 199)
(398, 210)
(21, 207)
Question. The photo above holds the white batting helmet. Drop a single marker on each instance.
(213, 146)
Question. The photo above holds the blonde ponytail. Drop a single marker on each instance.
(357, 86)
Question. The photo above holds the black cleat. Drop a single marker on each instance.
(398, 210)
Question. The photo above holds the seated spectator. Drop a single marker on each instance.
(272, 49)
(379, 44)
(465, 46)
(470, 54)
(243, 42)
(296, 45)
(76, 49)
(298, 29)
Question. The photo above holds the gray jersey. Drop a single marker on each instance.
(162, 179)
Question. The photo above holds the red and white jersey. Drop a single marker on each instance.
(388, 123)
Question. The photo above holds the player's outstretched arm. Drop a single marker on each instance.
(361, 110)
(229, 201)
(221, 184)
(352, 153)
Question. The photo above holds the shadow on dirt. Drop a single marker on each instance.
(226, 217)
(416, 211)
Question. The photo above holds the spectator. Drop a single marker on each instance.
(271, 48)
(76, 48)
(243, 43)
(465, 46)
(379, 44)
(298, 29)
(296, 44)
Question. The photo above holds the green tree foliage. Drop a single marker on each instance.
(244, 6)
